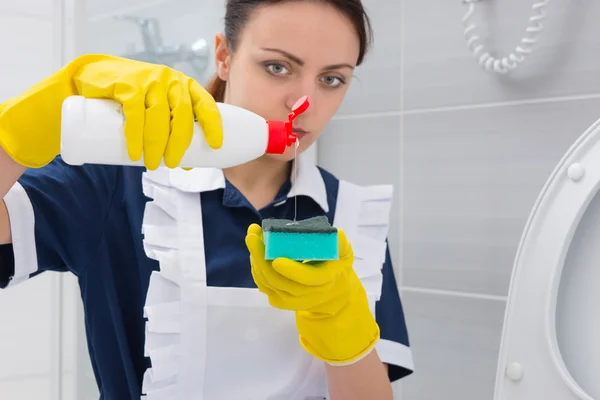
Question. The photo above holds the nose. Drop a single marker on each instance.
(305, 87)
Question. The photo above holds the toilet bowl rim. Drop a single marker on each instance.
(552, 187)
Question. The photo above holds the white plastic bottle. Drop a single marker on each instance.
(93, 133)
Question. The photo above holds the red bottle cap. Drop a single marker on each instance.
(281, 135)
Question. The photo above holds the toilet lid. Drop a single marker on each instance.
(550, 346)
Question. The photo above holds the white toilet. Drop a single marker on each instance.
(550, 347)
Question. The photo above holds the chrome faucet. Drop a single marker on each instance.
(197, 54)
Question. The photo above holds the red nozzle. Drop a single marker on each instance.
(281, 134)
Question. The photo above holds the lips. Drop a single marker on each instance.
(300, 133)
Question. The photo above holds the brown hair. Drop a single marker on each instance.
(238, 11)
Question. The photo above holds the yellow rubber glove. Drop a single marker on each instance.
(159, 104)
(332, 312)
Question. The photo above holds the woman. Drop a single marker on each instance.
(175, 308)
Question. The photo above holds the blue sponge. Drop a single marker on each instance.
(311, 239)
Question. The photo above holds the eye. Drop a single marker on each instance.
(277, 69)
(333, 81)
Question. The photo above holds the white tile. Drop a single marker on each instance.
(100, 8)
(440, 71)
(71, 302)
(455, 343)
(376, 85)
(70, 41)
(28, 54)
(470, 181)
(30, 388)
(69, 386)
(76, 389)
(111, 36)
(38, 8)
(78, 377)
(70, 9)
(366, 151)
(26, 335)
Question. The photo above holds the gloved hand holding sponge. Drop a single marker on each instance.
(333, 316)
(159, 104)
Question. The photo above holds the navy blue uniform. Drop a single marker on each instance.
(88, 220)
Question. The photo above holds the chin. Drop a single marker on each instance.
(289, 154)
(285, 157)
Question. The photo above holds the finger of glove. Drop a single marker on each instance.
(207, 114)
(280, 298)
(256, 247)
(134, 109)
(288, 288)
(258, 277)
(262, 284)
(255, 229)
(304, 273)
(345, 251)
(269, 275)
(157, 126)
(182, 123)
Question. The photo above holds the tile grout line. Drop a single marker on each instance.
(452, 293)
(56, 384)
(22, 14)
(27, 377)
(467, 107)
(126, 10)
(541, 100)
(343, 117)
(399, 268)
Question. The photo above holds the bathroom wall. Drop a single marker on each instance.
(27, 310)
(35, 362)
(468, 152)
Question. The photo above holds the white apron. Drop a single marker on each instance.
(213, 343)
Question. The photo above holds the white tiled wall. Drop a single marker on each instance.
(38, 333)
(29, 54)
(468, 152)
(29, 310)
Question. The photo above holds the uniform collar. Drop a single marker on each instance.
(307, 182)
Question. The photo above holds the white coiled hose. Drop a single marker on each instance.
(513, 60)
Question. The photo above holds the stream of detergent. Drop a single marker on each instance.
(295, 186)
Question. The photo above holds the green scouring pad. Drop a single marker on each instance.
(311, 239)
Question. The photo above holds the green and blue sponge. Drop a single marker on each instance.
(311, 239)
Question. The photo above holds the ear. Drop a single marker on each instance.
(222, 56)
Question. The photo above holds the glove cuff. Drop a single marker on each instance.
(355, 359)
(341, 339)
(30, 123)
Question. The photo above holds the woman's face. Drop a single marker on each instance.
(284, 52)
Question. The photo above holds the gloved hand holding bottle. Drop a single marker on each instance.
(332, 311)
(159, 104)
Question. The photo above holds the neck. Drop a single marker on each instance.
(259, 180)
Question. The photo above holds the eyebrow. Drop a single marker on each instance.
(301, 63)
